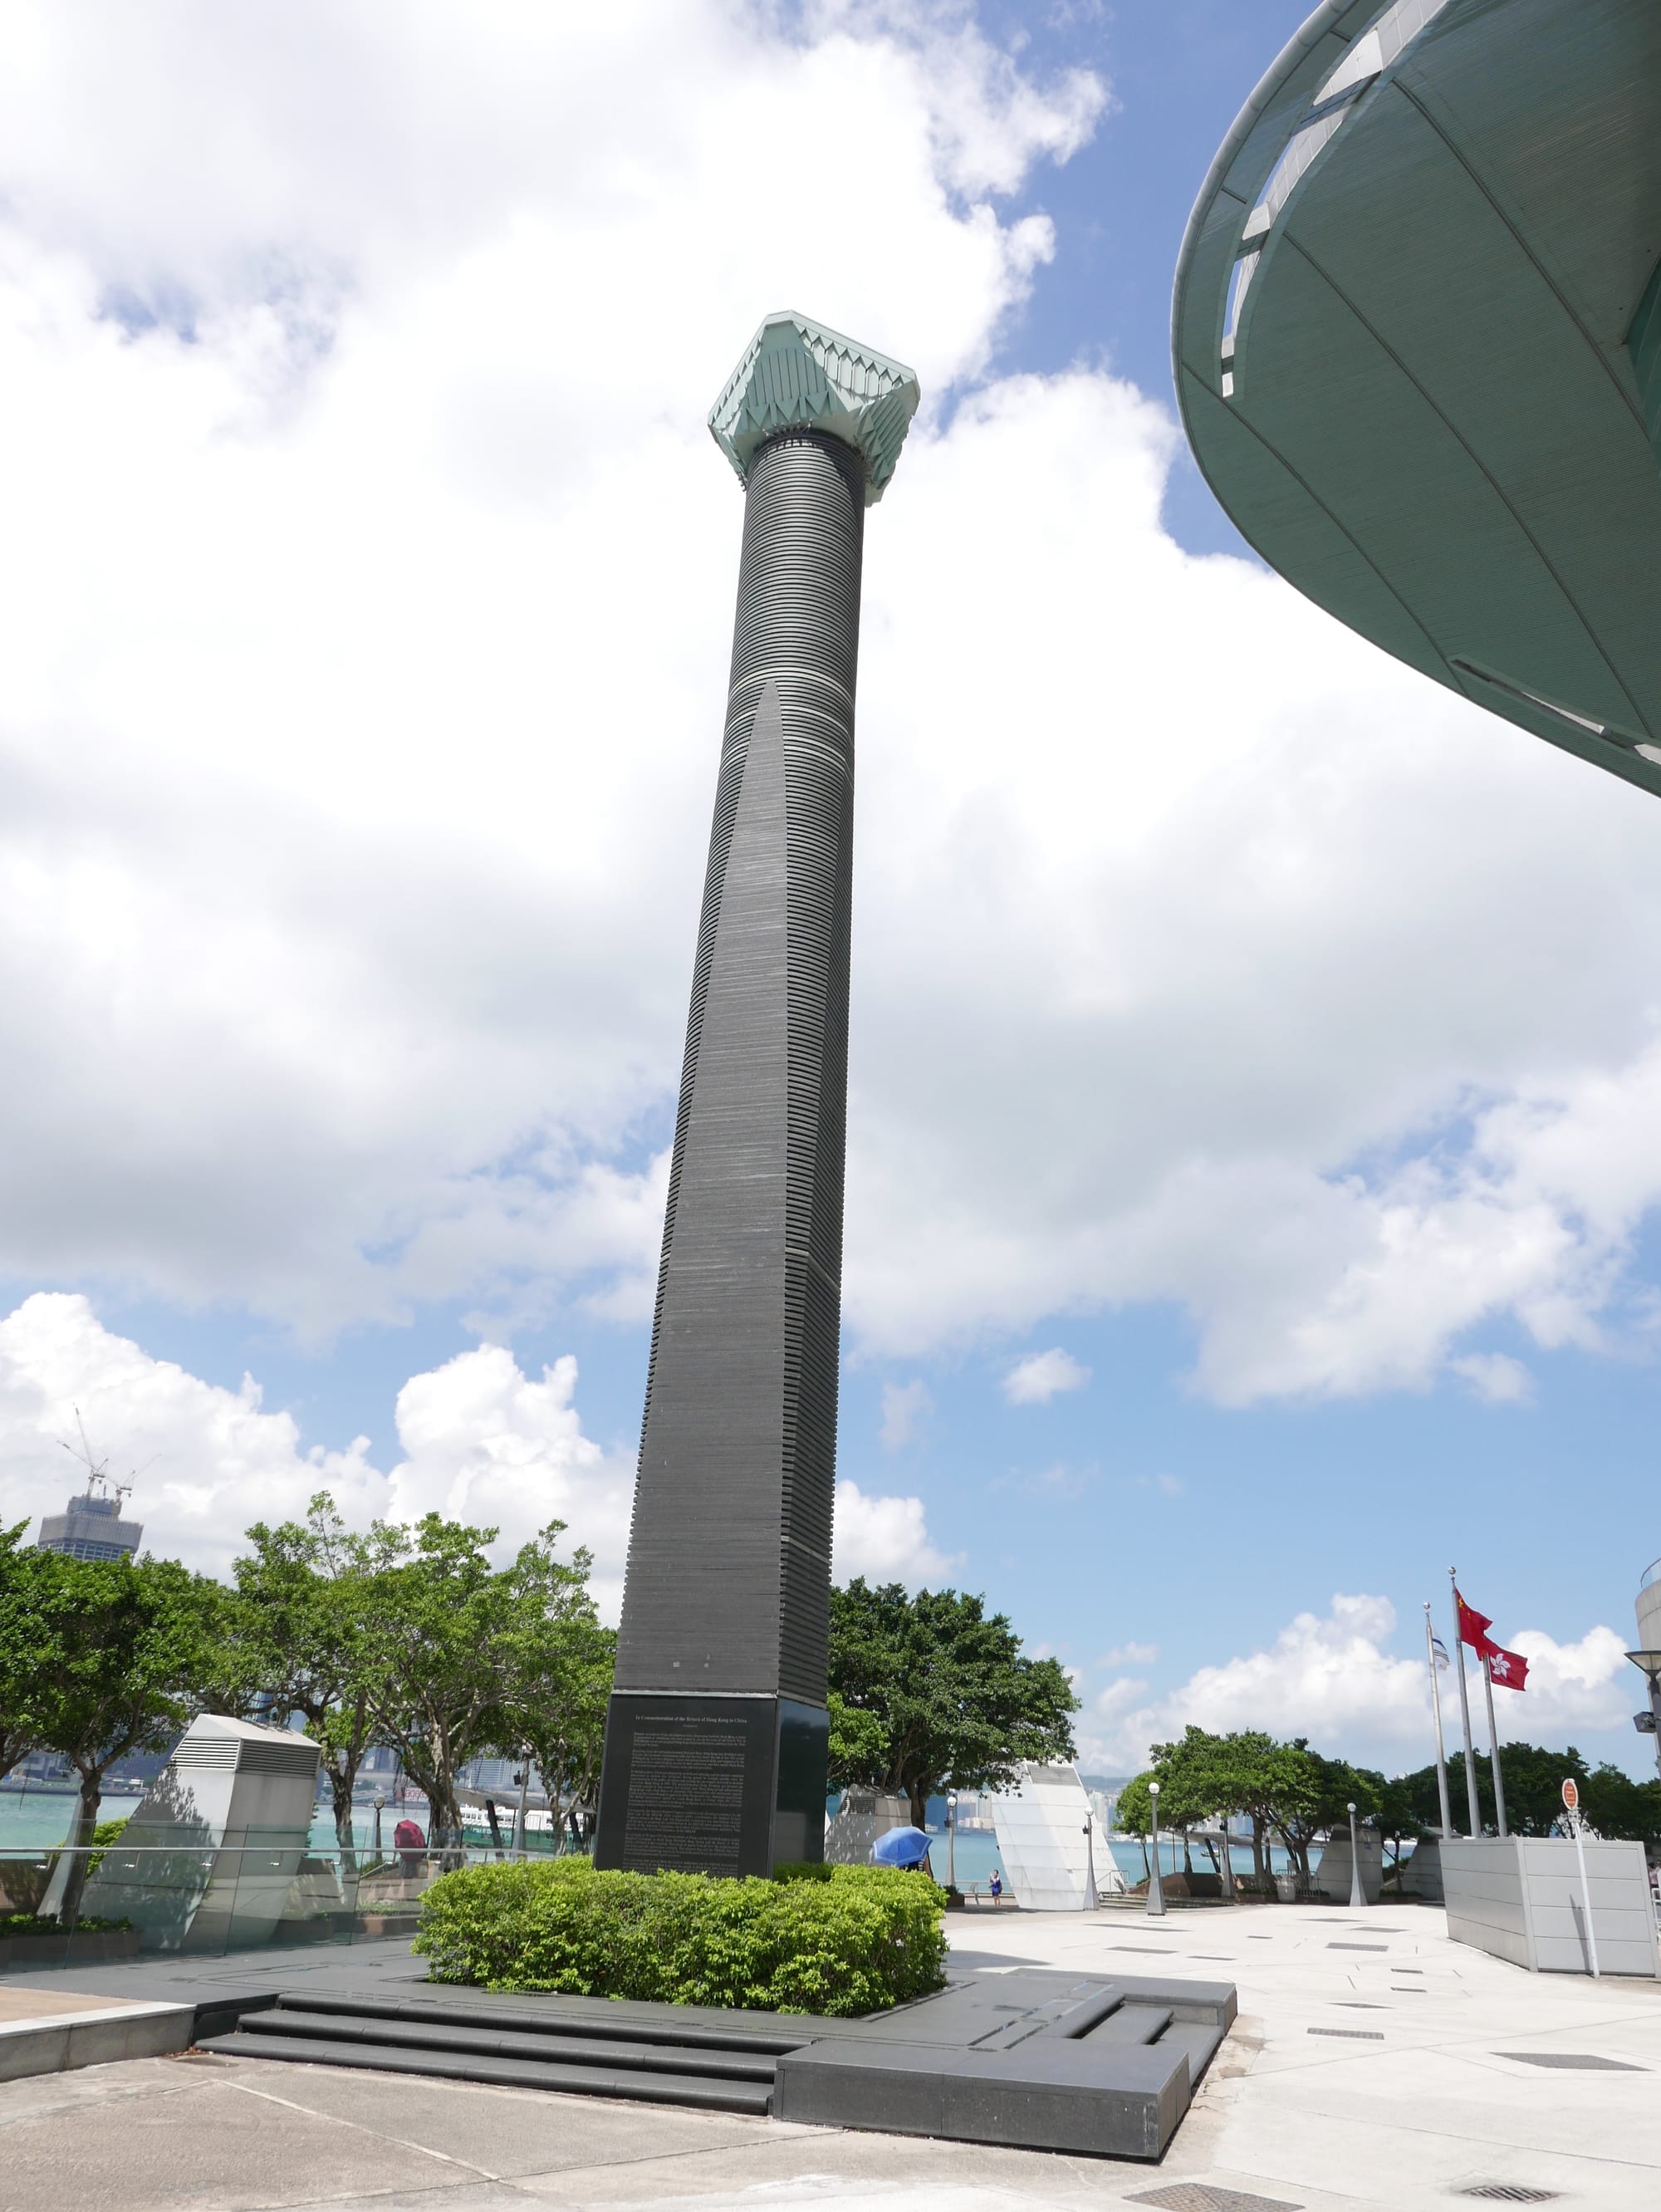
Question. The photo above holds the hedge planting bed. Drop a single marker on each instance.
(851, 1940)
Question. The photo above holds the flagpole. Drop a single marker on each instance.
(1436, 1710)
(1464, 1710)
(1494, 1746)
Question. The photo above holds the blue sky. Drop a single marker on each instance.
(1203, 1486)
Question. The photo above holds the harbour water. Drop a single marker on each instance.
(39, 1819)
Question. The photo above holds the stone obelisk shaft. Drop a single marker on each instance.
(729, 1564)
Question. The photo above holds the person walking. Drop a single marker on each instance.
(995, 1886)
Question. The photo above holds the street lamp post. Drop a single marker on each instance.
(380, 1803)
(1091, 1899)
(1357, 1894)
(522, 1778)
(1155, 1892)
(951, 1843)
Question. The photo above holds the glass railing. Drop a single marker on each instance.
(1650, 1574)
(265, 1893)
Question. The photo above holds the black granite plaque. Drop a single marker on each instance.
(688, 1785)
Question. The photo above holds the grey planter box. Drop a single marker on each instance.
(1520, 1897)
(92, 1947)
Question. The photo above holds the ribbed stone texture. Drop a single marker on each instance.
(716, 1742)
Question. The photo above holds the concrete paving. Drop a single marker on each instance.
(1374, 2065)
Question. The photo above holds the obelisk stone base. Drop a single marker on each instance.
(727, 1785)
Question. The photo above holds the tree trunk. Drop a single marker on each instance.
(918, 1797)
(81, 1838)
(1187, 1860)
(343, 1779)
(1259, 1864)
(1147, 1871)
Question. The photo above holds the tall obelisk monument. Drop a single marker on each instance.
(716, 1738)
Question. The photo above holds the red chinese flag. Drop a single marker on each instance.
(1508, 1669)
(1474, 1628)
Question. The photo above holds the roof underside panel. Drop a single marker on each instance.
(1430, 371)
(1296, 535)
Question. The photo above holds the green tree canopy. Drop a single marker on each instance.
(455, 1653)
(25, 1655)
(298, 1642)
(120, 1649)
(932, 1692)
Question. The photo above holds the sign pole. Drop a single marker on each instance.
(1464, 1710)
(1436, 1711)
(1493, 1747)
(1571, 1800)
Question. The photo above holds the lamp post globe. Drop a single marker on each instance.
(1156, 1890)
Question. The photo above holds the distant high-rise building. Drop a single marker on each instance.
(91, 1526)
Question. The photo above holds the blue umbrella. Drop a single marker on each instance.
(901, 1847)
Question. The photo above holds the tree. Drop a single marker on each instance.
(949, 1699)
(1615, 1805)
(1316, 1796)
(449, 1644)
(121, 1648)
(562, 1662)
(298, 1642)
(20, 1648)
(1533, 1777)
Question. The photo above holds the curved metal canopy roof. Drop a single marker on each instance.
(1400, 337)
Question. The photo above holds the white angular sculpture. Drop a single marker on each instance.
(207, 1860)
(1040, 1838)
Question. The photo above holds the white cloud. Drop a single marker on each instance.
(1589, 1684)
(885, 1539)
(352, 848)
(1130, 1655)
(906, 1407)
(482, 1443)
(1332, 1677)
(1043, 1376)
(1495, 1377)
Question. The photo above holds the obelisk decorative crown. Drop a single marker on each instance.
(798, 375)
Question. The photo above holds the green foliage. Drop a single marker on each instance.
(931, 1692)
(31, 1924)
(867, 1938)
(105, 1833)
(802, 1870)
(117, 1649)
(460, 1658)
(1612, 1801)
(297, 1646)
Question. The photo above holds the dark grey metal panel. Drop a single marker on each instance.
(728, 1582)
(729, 1551)
(1430, 422)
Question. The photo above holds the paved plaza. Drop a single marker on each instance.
(1374, 2065)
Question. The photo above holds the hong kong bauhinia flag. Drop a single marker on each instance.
(1508, 1669)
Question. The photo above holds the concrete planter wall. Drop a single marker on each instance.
(1520, 1898)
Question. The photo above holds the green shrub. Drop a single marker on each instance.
(31, 1924)
(802, 1871)
(858, 1941)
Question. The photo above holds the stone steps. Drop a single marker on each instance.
(653, 2065)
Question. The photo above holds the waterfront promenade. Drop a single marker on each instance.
(1374, 2066)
